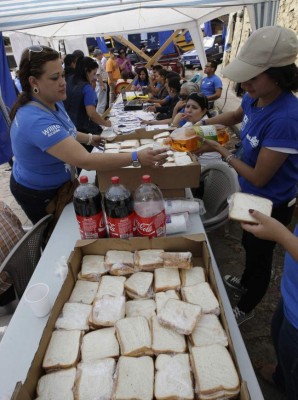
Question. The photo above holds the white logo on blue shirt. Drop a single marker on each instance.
(254, 142)
(51, 130)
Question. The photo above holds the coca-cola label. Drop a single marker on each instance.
(92, 227)
(122, 228)
(154, 226)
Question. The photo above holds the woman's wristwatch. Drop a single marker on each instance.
(135, 160)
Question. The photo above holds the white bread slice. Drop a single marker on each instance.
(208, 330)
(148, 260)
(165, 340)
(182, 260)
(173, 378)
(110, 286)
(140, 308)
(74, 316)
(100, 344)
(57, 385)
(95, 380)
(134, 296)
(192, 276)
(166, 279)
(134, 336)
(107, 310)
(109, 146)
(134, 378)
(92, 268)
(161, 135)
(180, 316)
(240, 203)
(119, 262)
(83, 292)
(202, 295)
(162, 297)
(214, 370)
(129, 143)
(146, 141)
(63, 350)
(139, 283)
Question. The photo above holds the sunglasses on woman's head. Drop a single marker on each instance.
(199, 96)
(39, 49)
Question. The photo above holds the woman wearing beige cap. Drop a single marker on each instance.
(268, 166)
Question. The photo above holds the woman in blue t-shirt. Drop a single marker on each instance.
(268, 166)
(142, 79)
(284, 326)
(46, 143)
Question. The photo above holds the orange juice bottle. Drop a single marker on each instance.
(190, 138)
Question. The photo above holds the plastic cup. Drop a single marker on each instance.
(37, 296)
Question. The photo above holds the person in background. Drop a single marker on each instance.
(102, 84)
(124, 64)
(78, 53)
(211, 85)
(114, 74)
(17, 81)
(142, 79)
(185, 90)
(160, 76)
(46, 143)
(154, 85)
(268, 165)
(69, 65)
(165, 109)
(11, 231)
(284, 325)
(81, 100)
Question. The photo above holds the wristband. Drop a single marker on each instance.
(90, 137)
(229, 158)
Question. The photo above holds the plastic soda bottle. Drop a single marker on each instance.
(150, 217)
(88, 209)
(119, 210)
(188, 139)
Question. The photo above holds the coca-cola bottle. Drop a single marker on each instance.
(118, 206)
(150, 216)
(88, 209)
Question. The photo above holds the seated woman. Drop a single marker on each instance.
(81, 100)
(186, 89)
(196, 108)
(142, 79)
(165, 112)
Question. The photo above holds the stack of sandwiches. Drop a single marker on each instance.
(139, 326)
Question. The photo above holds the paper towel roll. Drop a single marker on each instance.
(180, 206)
(176, 224)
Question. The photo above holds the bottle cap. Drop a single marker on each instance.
(146, 178)
(84, 179)
(115, 179)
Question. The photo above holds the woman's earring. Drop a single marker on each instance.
(35, 90)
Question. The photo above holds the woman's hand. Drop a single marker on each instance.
(97, 141)
(153, 158)
(178, 118)
(207, 146)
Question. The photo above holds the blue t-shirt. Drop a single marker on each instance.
(289, 288)
(90, 98)
(275, 125)
(140, 83)
(210, 84)
(33, 131)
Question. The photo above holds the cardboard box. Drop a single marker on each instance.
(194, 243)
(171, 180)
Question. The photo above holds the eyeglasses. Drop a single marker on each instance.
(39, 49)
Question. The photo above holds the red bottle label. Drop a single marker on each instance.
(154, 226)
(122, 228)
(92, 227)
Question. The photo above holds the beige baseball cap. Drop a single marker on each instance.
(271, 46)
